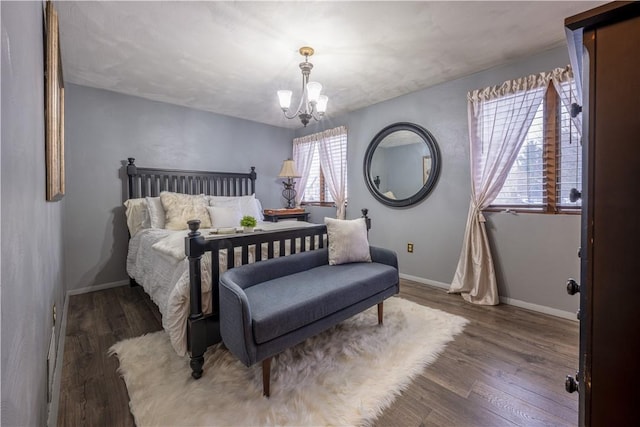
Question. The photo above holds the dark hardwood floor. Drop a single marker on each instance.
(506, 368)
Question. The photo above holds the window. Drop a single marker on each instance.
(316, 191)
(549, 163)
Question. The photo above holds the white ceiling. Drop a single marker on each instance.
(231, 57)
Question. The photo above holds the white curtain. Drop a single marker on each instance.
(576, 49)
(333, 161)
(303, 149)
(569, 94)
(499, 119)
(332, 154)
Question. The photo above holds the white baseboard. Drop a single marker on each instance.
(509, 301)
(88, 289)
(425, 281)
(540, 308)
(52, 419)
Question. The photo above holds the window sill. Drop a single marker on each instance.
(322, 204)
(533, 210)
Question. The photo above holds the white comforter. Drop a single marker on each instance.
(156, 260)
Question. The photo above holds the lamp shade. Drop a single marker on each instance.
(313, 91)
(288, 170)
(284, 96)
(322, 104)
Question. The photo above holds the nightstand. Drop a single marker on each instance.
(274, 215)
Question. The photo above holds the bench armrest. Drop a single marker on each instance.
(235, 321)
(383, 256)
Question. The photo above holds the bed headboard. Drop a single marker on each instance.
(150, 182)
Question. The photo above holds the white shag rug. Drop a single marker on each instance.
(345, 376)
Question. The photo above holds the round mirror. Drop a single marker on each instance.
(402, 164)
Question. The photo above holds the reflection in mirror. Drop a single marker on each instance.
(398, 163)
(402, 164)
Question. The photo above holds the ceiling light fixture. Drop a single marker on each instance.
(312, 104)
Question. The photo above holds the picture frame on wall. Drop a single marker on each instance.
(54, 108)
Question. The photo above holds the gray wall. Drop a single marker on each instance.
(32, 266)
(104, 128)
(534, 254)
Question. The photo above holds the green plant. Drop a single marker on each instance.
(248, 221)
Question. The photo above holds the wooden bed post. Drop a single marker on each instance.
(132, 170)
(196, 332)
(252, 177)
(367, 220)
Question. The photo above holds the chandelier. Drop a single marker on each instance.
(312, 104)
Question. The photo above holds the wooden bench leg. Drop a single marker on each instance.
(380, 312)
(266, 377)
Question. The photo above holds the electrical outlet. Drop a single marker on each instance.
(410, 248)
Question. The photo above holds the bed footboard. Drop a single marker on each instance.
(204, 329)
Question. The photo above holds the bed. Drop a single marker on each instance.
(178, 268)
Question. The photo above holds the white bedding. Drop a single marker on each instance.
(157, 261)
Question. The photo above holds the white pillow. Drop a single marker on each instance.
(137, 215)
(180, 208)
(249, 205)
(260, 210)
(214, 199)
(230, 202)
(156, 212)
(347, 241)
(224, 216)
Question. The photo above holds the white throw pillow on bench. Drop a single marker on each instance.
(348, 241)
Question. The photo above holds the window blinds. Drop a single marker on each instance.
(315, 190)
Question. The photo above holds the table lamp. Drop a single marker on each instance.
(289, 171)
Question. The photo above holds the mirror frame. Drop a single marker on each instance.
(426, 188)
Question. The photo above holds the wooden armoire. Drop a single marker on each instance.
(609, 365)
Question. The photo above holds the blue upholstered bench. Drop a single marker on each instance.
(271, 305)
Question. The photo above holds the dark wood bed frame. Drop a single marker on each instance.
(203, 329)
